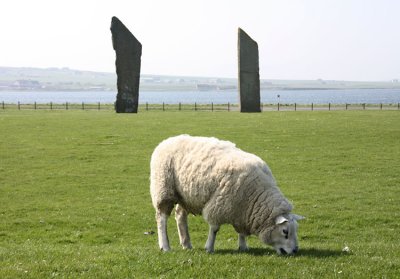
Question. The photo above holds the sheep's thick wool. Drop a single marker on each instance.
(218, 180)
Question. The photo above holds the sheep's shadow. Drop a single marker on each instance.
(306, 252)
(321, 253)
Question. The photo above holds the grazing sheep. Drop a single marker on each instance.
(226, 185)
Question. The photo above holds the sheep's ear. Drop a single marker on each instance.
(280, 220)
(297, 217)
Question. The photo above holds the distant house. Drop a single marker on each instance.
(5, 85)
(26, 84)
(320, 80)
(150, 79)
(226, 87)
(206, 87)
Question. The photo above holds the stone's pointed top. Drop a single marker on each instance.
(115, 19)
(242, 35)
(241, 32)
(248, 53)
(117, 24)
(118, 29)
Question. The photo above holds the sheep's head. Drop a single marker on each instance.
(283, 235)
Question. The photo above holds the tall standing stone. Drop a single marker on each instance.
(128, 57)
(249, 77)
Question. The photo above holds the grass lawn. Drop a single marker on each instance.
(75, 203)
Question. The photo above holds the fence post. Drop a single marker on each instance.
(228, 107)
(212, 106)
(51, 105)
(179, 105)
(3, 105)
(364, 106)
(346, 106)
(195, 106)
(295, 107)
(312, 106)
(99, 106)
(34, 106)
(381, 106)
(163, 106)
(66, 105)
(398, 105)
(83, 106)
(147, 106)
(329, 106)
(19, 107)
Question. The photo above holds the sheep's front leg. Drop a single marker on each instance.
(242, 243)
(183, 230)
(163, 241)
(211, 238)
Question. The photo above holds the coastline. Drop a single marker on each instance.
(65, 79)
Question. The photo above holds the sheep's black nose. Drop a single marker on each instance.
(283, 252)
(295, 250)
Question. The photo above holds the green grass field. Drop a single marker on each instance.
(75, 203)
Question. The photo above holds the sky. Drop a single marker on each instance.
(297, 39)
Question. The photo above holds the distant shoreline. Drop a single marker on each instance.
(65, 79)
(175, 89)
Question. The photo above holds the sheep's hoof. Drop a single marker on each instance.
(165, 249)
(210, 251)
(187, 247)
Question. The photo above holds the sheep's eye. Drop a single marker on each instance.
(286, 232)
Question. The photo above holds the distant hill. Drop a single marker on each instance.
(54, 79)
(65, 79)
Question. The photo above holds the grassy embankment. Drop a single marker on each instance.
(74, 198)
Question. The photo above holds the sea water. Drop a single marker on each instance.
(333, 96)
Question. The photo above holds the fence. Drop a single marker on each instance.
(200, 107)
(55, 106)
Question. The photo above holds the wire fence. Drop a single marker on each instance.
(198, 107)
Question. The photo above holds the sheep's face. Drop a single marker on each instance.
(283, 237)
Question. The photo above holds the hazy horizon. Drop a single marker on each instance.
(194, 76)
(298, 40)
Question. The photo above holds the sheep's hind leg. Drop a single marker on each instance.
(162, 220)
(242, 243)
(181, 216)
(212, 234)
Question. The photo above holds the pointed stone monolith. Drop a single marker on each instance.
(249, 77)
(128, 57)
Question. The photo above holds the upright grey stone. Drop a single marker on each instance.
(128, 57)
(249, 77)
